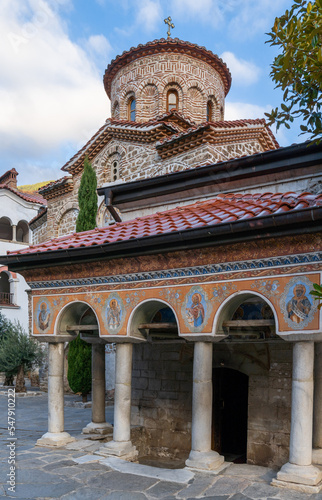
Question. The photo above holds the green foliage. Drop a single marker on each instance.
(87, 199)
(5, 327)
(80, 366)
(17, 349)
(317, 294)
(297, 70)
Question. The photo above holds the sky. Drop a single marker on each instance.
(53, 54)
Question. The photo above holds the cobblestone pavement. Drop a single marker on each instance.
(44, 473)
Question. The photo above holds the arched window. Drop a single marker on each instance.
(5, 229)
(6, 298)
(209, 111)
(22, 232)
(131, 109)
(172, 100)
(115, 171)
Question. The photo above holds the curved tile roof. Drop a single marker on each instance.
(225, 208)
(32, 197)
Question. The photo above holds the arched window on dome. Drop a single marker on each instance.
(172, 100)
(131, 106)
(209, 111)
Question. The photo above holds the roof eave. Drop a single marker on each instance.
(308, 220)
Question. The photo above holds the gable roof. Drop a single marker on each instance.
(150, 131)
(31, 197)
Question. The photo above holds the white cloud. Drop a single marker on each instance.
(208, 11)
(241, 110)
(148, 16)
(253, 18)
(49, 86)
(243, 72)
(100, 45)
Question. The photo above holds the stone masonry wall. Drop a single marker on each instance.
(40, 234)
(269, 410)
(135, 161)
(149, 79)
(162, 396)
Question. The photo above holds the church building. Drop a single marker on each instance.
(207, 246)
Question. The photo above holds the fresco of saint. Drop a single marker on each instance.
(43, 316)
(113, 315)
(299, 306)
(196, 312)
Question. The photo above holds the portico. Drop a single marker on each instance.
(175, 317)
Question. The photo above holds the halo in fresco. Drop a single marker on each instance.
(297, 305)
(114, 313)
(195, 309)
(44, 315)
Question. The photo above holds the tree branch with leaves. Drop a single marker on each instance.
(297, 70)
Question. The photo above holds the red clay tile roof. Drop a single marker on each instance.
(225, 208)
(32, 197)
(111, 126)
(41, 212)
(53, 184)
(167, 45)
(258, 122)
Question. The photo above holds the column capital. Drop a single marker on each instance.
(54, 339)
(301, 336)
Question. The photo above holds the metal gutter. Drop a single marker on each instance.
(308, 220)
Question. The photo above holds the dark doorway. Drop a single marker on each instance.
(230, 406)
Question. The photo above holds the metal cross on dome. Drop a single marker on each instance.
(169, 22)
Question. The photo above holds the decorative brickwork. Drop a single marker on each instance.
(150, 78)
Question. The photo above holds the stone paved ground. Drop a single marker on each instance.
(44, 473)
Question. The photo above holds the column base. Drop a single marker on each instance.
(209, 460)
(317, 456)
(305, 478)
(96, 428)
(55, 439)
(121, 449)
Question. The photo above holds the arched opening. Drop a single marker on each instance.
(131, 109)
(230, 408)
(153, 319)
(243, 357)
(161, 384)
(5, 229)
(6, 298)
(172, 100)
(77, 317)
(22, 232)
(246, 316)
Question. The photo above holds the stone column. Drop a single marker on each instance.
(317, 408)
(55, 435)
(201, 455)
(121, 445)
(14, 232)
(299, 473)
(98, 425)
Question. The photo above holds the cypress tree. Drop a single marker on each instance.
(79, 373)
(80, 367)
(87, 199)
